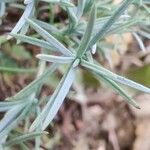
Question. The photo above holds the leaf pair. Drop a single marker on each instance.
(111, 79)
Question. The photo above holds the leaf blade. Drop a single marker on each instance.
(40, 119)
(20, 139)
(87, 35)
(110, 22)
(56, 59)
(33, 41)
(54, 42)
(120, 91)
(114, 77)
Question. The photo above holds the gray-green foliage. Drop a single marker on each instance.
(78, 53)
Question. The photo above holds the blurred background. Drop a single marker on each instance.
(93, 117)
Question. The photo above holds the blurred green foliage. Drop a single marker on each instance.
(141, 75)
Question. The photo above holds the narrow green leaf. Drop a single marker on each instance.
(54, 42)
(59, 96)
(56, 59)
(23, 18)
(28, 1)
(12, 124)
(34, 41)
(11, 103)
(28, 89)
(119, 90)
(23, 138)
(7, 105)
(124, 26)
(10, 116)
(47, 26)
(51, 108)
(87, 35)
(5, 108)
(80, 8)
(24, 30)
(110, 22)
(73, 20)
(102, 71)
(144, 34)
(140, 42)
